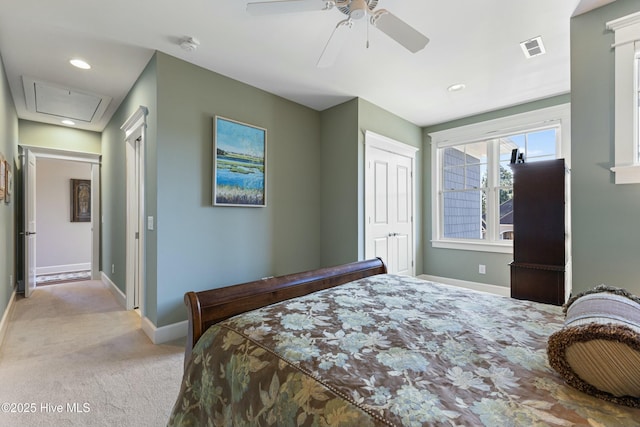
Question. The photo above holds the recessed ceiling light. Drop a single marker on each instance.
(68, 122)
(456, 87)
(79, 63)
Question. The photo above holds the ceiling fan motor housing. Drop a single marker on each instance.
(357, 9)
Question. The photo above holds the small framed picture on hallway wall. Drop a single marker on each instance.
(8, 182)
(3, 177)
(80, 200)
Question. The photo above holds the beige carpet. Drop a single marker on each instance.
(71, 348)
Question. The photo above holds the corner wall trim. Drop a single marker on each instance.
(163, 334)
(117, 293)
(4, 323)
(482, 287)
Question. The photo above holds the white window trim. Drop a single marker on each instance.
(556, 115)
(627, 43)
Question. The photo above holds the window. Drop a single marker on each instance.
(472, 184)
(627, 98)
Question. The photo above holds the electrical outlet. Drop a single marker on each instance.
(482, 269)
(113, 268)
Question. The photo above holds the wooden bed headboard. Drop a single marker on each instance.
(206, 308)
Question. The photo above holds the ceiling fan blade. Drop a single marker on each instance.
(285, 6)
(399, 30)
(334, 44)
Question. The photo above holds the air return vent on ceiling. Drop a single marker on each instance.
(64, 102)
(533, 47)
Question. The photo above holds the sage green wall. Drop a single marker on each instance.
(606, 235)
(342, 198)
(200, 246)
(8, 148)
(143, 93)
(339, 196)
(59, 137)
(375, 119)
(460, 264)
(314, 185)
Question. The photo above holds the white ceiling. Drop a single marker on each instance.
(472, 42)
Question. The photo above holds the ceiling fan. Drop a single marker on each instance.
(382, 19)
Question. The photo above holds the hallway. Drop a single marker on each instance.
(77, 359)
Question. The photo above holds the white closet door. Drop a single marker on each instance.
(389, 209)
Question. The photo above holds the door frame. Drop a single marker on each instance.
(373, 140)
(29, 230)
(135, 130)
(83, 157)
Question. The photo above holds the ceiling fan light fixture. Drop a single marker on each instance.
(358, 9)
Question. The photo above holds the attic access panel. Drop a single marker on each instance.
(54, 100)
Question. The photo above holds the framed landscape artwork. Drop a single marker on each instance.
(239, 175)
(80, 200)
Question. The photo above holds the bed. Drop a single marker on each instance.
(354, 346)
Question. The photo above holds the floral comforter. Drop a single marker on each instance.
(386, 350)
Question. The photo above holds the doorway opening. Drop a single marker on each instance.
(135, 136)
(51, 243)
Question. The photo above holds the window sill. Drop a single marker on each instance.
(503, 248)
(627, 174)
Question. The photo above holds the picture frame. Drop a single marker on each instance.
(3, 177)
(8, 191)
(80, 200)
(239, 159)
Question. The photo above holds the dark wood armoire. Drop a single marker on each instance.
(540, 231)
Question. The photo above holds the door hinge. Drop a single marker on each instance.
(137, 235)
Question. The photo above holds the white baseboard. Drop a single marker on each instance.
(4, 323)
(164, 334)
(157, 335)
(120, 296)
(59, 269)
(482, 287)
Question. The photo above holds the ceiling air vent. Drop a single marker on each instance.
(533, 47)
